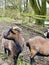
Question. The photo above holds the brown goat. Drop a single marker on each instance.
(9, 47)
(38, 45)
(17, 43)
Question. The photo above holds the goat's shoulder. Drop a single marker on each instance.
(36, 40)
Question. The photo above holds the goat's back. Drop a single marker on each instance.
(39, 44)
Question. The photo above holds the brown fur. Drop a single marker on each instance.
(38, 44)
(17, 42)
(8, 44)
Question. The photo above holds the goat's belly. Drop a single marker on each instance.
(44, 51)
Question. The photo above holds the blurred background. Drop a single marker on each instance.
(25, 11)
(30, 15)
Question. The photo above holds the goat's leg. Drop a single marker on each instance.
(5, 50)
(33, 53)
(32, 60)
(15, 59)
(9, 52)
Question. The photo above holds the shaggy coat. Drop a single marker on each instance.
(16, 42)
(9, 47)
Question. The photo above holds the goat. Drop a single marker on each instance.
(16, 48)
(9, 47)
(6, 45)
(37, 46)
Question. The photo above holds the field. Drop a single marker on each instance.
(5, 24)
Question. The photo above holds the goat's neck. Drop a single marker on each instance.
(15, 41)
(18, 39)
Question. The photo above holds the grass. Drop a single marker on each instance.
(20, 62)
(6, 19)
(3, 55)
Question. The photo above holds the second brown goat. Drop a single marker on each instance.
(37, 45)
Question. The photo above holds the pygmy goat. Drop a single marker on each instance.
(37, 45)
(16, 45)
(9, 47)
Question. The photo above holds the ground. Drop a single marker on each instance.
(24, 56)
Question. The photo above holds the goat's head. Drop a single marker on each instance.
(12, 33)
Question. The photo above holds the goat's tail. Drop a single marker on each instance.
(27, 44)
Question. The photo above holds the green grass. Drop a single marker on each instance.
(6, 19)
(2, 55)
(20, 62)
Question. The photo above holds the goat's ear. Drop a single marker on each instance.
(19, 30)
(12, 32)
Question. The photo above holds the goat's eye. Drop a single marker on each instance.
(12, 32)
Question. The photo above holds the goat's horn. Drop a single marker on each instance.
(16, 27)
